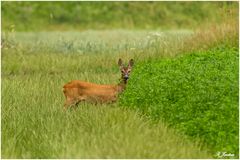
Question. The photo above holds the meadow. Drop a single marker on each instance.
(181, 100)
(39, 16)
(34, 124)
(35, 67)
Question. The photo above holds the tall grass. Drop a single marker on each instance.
(34, 124)
(38, 128)
(36, 65)
(212, 35)
(203, 38)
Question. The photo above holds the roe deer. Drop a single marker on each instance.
(77, 91)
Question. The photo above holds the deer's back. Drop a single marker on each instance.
(90, 91)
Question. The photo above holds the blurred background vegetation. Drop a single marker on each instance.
(45, 16)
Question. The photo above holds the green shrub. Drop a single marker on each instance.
(196, 93)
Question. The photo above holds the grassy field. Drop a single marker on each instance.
(195, 74)
(47, 16)
(35, 66)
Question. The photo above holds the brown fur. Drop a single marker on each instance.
(77, 91)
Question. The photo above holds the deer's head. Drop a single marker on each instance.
(125, 70)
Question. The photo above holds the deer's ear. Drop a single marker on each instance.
(120, 62)
(131, 63)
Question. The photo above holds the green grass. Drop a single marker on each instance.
(196, 93)
(45, 131)
(45, 16)
(184, 106)
(95, 42)
(34, 124)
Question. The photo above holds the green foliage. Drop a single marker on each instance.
(35, 66)
(25, 16)
(196, 93)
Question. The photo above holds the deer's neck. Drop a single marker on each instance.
(122, 85)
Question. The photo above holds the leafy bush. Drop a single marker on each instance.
(197, 93)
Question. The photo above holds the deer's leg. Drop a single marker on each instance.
(72, 102)
(69, 103)
(78, 100)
